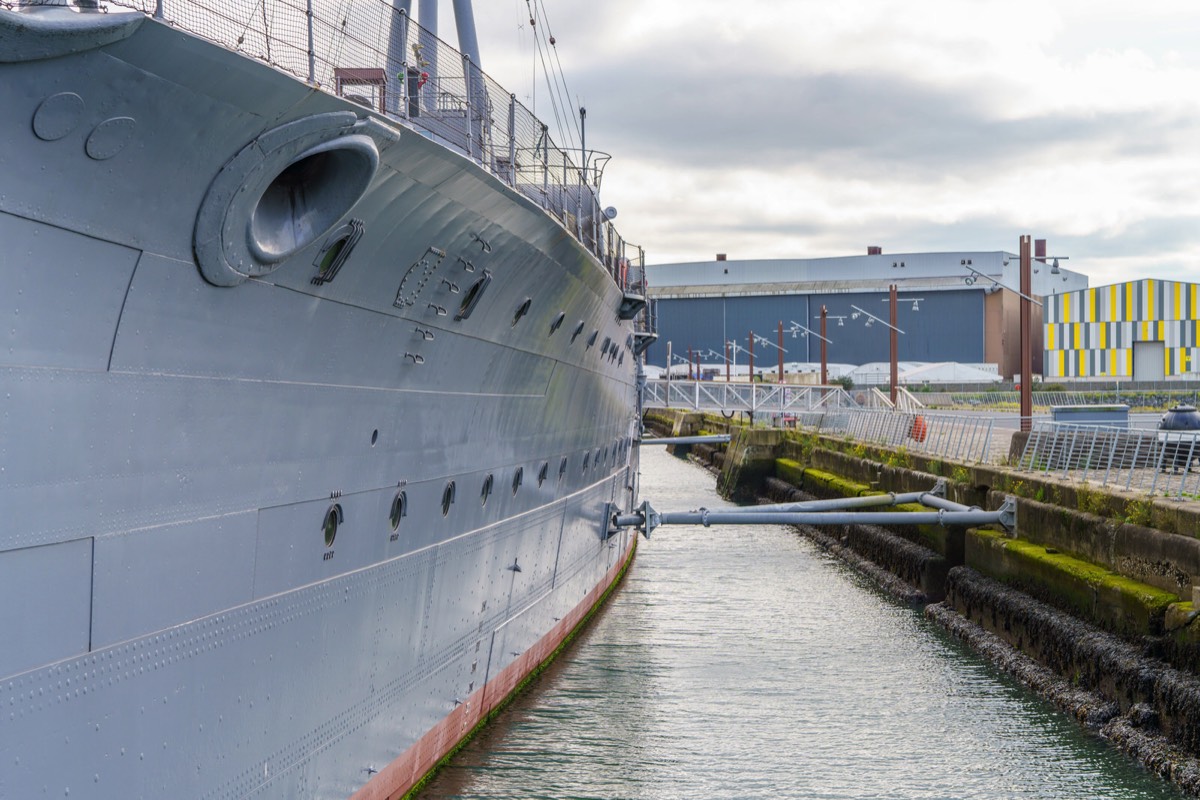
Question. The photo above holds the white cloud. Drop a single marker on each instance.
(781, 128)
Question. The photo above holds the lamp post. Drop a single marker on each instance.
(824, 341)
(781, 351)
(894, 344)
(681, 360)
(669, 356)
(751, 351)
(797, 327)
(894, 331)
(1025, 293)
(769, 343)
(1026, 336)
(733, 347)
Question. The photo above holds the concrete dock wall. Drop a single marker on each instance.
(1096, 585)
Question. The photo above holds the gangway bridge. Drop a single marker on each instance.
(756, 398)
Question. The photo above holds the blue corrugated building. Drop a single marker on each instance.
(947, 311)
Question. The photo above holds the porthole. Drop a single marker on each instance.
(522, 310)
(585, 461)
(447, 498)
(486, 491)
(557, 323)
(374, 437)
(333, 518)
(562, 468)
(592, 339)
(543, 472)
(621, 358)
(471, 298)
(604, 347)
(336, 250)
(518, 479)
(577, 332)
(399, 510)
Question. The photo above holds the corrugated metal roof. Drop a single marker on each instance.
(806, 270)
(913, 271)
(812, 287)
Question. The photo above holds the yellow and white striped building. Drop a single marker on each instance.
(1139, 330)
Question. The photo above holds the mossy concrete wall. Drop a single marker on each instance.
(1089, 591)
(1149, 542)
(1152, 540)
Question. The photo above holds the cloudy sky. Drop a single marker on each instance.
(795, 128)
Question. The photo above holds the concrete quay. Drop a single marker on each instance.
(1093, 603)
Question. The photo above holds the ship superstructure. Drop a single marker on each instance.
(317, 389)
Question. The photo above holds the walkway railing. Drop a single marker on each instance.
(757, 398)
(958, 437)
(1126, 458)
(1044, 401)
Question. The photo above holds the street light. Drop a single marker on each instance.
(681, 360)
(871, 318)
(976, 275)
(762, 340)
(733, 349)
(916, 301)
(798, 328)
(1026, 325)
(893, 344)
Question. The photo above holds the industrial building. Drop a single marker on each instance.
(951, 306)
(1143, 330)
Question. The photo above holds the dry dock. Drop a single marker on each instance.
(1090, 603)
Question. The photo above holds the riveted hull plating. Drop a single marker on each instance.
(179, 618)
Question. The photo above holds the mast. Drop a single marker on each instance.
(464, 21)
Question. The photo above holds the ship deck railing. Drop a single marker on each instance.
(379, 58)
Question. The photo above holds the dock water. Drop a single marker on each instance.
(748, 662)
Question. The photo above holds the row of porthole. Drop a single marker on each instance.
(609, 348)
(334, 515)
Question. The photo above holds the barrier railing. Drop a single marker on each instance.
(959, 437)
(1155, 462)
(757, 398)
(1157, 399)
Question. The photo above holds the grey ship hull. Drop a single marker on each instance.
(173, 620)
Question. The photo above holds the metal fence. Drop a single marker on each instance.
(1009, 401)
(371, 53)
(969, 439)
(1126, 458)
(756, 398)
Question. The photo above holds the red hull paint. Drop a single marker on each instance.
(397, 778)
